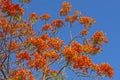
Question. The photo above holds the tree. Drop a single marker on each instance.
(29, 55)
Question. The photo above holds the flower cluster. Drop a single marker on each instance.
(39, 43)
(22, 74)
(103, 69)
(45, 37)
(25, 29)
(77, 46)
(45, 17)
(83, 63)
(37, 61)
(50, 54)
(91, 49)
(55, 43)
(84, 32)
(33, 17)
(46, 27)
(57, 23)
(3, 21)
(86, 21)
(78, 49)
(66, 8)
(12, 9)
(98, 38)
(4, 25)
(71, 19)
(69, 53)
(13, 46)
(23, 55)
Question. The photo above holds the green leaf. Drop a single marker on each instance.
(20, 77)
(85, 53)
(54, 75)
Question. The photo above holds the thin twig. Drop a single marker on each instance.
(5, 77)
(62, 68)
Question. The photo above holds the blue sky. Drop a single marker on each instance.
(105, 12)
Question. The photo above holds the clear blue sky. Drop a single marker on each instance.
(105, 12)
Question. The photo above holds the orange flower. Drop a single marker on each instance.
(63, 12)
(103, 68)
(45, 17)
(4, 25)
(3, 21)
(46, 27)
(86, 21)
(66, 4)
(50, 54)
(22, 74)
(45, 37)
(77, 47)
(13, 46)
(83, 63)
(71, 19)
(55, 43)
(12, 9)
(19, 9)
(23, 55)
(77, 13)
(98, 38)
(25, 29)
(33, 17)
(84, 32)
(39, 43)
(6, 28)
(37, 61)
(66, 8)
(9, 9)
(57, 24)
(91, 49)
(69, 53)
